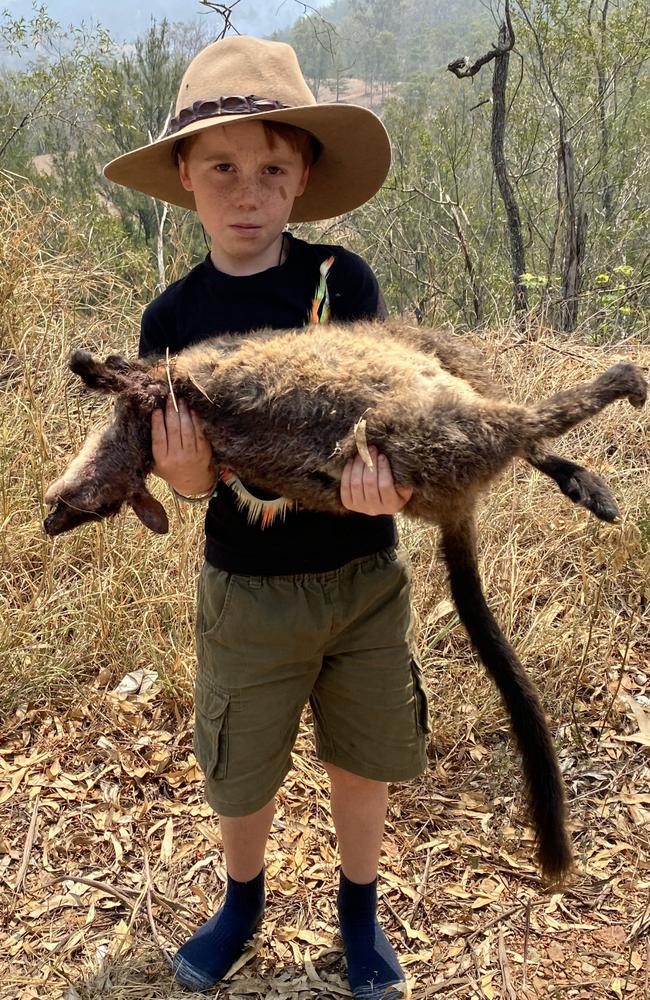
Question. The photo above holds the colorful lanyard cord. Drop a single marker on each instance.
(266, 512)
(320, 304)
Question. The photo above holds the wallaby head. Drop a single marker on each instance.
(111, 468)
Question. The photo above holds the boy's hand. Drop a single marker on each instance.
(372, 491)
(181, 452)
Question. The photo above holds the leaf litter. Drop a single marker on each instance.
(109, 858)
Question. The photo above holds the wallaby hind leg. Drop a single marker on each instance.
(582, 486)
(570, 407)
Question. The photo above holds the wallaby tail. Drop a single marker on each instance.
(541, 769)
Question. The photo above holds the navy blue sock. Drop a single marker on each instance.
(203, 960)
(372, 964)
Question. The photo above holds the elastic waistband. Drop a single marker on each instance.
(366, 562)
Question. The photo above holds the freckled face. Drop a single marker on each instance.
(244, 188)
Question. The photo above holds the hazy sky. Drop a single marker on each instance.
(127, 18)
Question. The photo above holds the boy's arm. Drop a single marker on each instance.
(356, 295)
(181, 452)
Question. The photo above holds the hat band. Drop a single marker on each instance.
(234, 105)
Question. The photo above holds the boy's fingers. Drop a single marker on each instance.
(357, 483)
(175, 426)
(202, 442)
(158, 435)
(346, 491)
(186, 423)
(172, 426)
(385, 482)
(371, 482)
(393, 496)
(384, 472)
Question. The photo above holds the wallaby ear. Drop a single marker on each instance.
(150, 511)
(107, 377)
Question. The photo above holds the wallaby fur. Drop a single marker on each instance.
(282, 409)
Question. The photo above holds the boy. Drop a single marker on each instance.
(313, 607)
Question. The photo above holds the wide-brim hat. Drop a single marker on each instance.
(241, 78)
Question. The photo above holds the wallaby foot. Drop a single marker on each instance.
(627, 379)
(589, 490)
(585, 488)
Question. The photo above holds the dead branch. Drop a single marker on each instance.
(463, 68)
(224, 10)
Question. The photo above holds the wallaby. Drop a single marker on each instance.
(286, 410)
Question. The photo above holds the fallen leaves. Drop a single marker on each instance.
(107, 842)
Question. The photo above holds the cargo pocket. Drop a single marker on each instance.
(214, 594)
(420, 699)
(211, 729)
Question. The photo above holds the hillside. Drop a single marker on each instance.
(108, 854)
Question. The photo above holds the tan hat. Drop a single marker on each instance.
(244, 78)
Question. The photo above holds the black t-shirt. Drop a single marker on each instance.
(207, 302)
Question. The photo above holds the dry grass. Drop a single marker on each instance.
(94, 787)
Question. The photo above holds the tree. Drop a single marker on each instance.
(463, 69)
(49, 89)
(315, 42)
(585, 76)
(129, 104)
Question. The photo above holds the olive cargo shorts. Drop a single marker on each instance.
(267, 645)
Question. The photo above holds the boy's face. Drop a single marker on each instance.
(244, 188)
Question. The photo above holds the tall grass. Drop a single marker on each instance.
(570, 592)
(78, 612)
(112, 596)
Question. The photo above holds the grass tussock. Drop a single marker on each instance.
(85, 602)
(78, 613)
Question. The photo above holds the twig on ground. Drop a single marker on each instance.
(491, 923)
(126, 895)
(526, 939)
(640, 926)
(621, 674)
(29, 843)
(152, 923)
(571, 986)
(509, 991)
(421, 888)
(592, 622)
(439, 987)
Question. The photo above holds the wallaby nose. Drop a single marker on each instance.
(50, 523)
